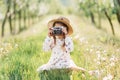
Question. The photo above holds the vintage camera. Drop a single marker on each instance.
(57, 31)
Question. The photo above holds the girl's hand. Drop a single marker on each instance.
(63, 48)
(50, 32)
(64, 30)
(52, 45)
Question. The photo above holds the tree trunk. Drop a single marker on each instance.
(99, 20)
(10, 24)
(6, 16)
(19, 13)
(117, 7)
(32, 19)
(14, 22)
(118, 16)
(3, 24)
(27, 12)
(24, 18)
(99, 16)
(92, 17)
(109, 19)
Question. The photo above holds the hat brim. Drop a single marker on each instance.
(70, 30)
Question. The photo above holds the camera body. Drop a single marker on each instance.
(57, 31)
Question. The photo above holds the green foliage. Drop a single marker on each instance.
(94, 6)
(88, 6)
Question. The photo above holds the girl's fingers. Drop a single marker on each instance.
(50, 33)
(64, 30)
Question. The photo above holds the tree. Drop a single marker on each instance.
(89, 8)
(107, 9)
(117, 9)
(110, 21)
(7, 15)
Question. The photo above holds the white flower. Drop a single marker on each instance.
(112, 64)
(91, 50)
(103, 58)
(98, 63)
(98, 52)
(16, 45)
(104, 51)
(108, 77)
(113, 59)
(98, 56)
(96, 73)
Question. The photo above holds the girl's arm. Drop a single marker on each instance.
(69, 44)
(47, 44)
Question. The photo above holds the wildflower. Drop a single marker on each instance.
(112, 64)
(104, 51)
(98, 52)
(98, 56)
(103, 58)
(108, 77)
(113, 59)
(91, 50)
(16, 45)
(96, 73)
(98, 62)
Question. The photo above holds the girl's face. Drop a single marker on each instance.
(60, 25)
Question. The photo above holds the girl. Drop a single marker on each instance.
(60, 64)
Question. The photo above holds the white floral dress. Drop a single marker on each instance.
(59, 59)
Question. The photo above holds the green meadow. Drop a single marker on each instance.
(96, 37)
(22, 54)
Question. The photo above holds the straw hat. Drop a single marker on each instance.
(63, 20)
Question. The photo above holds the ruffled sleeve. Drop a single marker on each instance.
(47, 43)
(69, 44)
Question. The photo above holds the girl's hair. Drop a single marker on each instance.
(62, 34)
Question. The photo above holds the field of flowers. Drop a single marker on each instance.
(98, 53)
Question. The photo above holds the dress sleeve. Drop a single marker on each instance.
(47, 43)
(69, 44)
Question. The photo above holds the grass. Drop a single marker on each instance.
(98, 53)
(21, 63)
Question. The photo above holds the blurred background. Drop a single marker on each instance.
(19, 15)
(96, 37)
